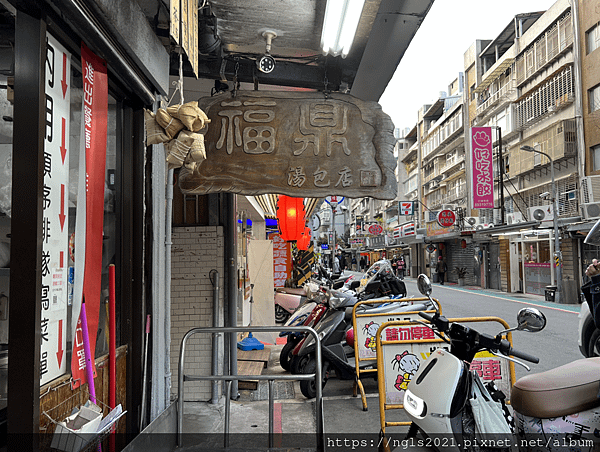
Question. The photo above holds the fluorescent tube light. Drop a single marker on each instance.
(339, 26)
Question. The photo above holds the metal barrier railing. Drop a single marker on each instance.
(317, 376)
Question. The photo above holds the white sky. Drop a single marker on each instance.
(435, 55)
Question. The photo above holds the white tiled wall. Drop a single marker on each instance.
(195, 252)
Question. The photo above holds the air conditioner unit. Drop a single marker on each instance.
(514, 218)
(433, 184)
(449, 207)
(471, 222)
(590, 211)
(541, 213)
(482, 226)
(590, 189)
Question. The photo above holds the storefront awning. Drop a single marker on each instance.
(484, 234)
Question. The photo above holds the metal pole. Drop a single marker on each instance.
(557, 253)
(271, 413)
(215, 338)
(231, 275)
(501, 175)
(333, 229)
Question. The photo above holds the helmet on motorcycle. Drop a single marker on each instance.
(350, 337)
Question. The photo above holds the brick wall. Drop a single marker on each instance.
(195, 252)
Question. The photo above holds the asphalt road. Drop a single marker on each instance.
(555, 345)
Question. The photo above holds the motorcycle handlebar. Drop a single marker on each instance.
(519, 354)
(426, 316)
(442, 324)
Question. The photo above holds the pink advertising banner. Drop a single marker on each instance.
(483, 173)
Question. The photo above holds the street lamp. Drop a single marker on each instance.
(557, 253)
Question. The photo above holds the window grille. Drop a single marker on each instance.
(545, 49)
(555, 93)
(567, 203)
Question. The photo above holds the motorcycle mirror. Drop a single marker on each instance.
(424, 285)
(593, 237)
(531, 319)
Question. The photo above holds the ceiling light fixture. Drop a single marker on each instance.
(339, 26)
(266, 63)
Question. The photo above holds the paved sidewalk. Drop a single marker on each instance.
(346, 425)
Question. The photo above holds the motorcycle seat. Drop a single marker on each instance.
(292, 291)
(567, 389)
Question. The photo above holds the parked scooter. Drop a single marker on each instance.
(288, 300)
(332, 329)
(437, 397)
(307, 315)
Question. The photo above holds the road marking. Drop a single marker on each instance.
(575, 309)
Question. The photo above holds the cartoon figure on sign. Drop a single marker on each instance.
(408, 364)
(371, 330)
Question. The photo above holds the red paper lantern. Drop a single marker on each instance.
(290, 216)
(463, 243)
(304, 240)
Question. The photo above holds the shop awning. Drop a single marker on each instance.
(505, 229)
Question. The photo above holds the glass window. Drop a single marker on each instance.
(594, 98)
(592, 38)
(596, 157)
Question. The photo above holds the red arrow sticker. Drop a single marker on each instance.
(61, 215)
(59, 353)
(63, 148)
(64, 77)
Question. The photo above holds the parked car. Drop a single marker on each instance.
(589, 336)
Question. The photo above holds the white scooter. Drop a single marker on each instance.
(437, 397)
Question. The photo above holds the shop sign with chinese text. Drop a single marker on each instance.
(483, 172)
(298, 144)
(446, 218)
(375, 229)
(55, 223)
(282, 260)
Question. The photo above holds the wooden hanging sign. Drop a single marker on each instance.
(298, 144)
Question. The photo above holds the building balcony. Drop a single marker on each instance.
(448, 166)
(503, 95)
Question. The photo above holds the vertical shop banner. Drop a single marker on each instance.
(359, 225)
(482, 166)
(55, 227)
(94, 122)
(282, 260)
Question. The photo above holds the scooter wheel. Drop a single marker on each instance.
(285, 357)
(281, 315)
(297, 364)
(308, 387)
(594, 344)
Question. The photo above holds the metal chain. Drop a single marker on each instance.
(326, 83)
(236, 84)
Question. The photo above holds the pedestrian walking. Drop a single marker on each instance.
(400, 267)
(336, 265)
(342, 262)
(441, 268)
(362, 263)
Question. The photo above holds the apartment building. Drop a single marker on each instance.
(526, 94)
(537, 87)
(589, 38)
